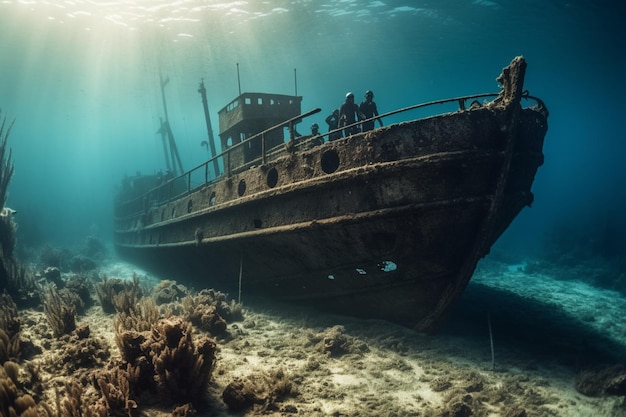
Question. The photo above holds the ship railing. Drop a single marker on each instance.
(200, 175)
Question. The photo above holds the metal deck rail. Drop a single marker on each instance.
(199, 176)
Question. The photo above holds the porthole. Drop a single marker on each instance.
(387, 266)
(212, 198)
(189, 206)
(272, 178)
(241, 189)
(330, 161)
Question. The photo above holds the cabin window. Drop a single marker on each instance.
(259, 101)
(272, 102)
(212, 198)
(241, 189)
(272, 177)
(173, 212)
(330, 161)
(162, 214)
(257, 223)
(247, 100)
(232, 105)
(189, 206)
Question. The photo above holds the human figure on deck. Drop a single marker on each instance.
(369, 110)
(316, 137)
(349, 114)
(333, 123)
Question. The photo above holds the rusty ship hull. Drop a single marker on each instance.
(386, 224)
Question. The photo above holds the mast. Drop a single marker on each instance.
(165, 126)
(209, 129)
(163, 132)
(295, 81)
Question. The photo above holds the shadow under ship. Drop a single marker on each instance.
(385, 224)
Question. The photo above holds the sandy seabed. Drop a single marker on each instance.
(545, 331)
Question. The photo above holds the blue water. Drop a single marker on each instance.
(82, 81)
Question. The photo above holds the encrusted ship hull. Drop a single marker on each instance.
(386, 224)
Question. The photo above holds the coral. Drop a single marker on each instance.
(210, 310)
(61, 315)
(165, 358)
(73, 404)
(182, 368)
(118, 295)
(83, 352)
(9, 319)
(203, 315)
(116, 392)
(141, 318)
(51, 275)
(169, 291)
(13, 401)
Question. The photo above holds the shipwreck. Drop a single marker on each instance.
(386, 224)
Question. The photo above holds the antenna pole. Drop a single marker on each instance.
(238, 78)
(295, 80)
